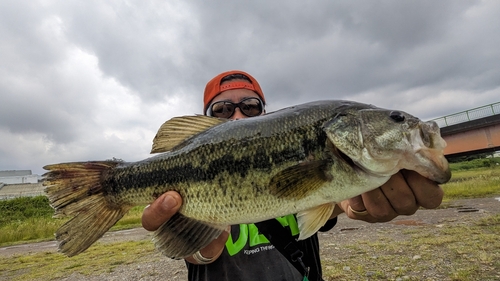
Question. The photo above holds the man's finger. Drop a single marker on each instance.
(378, 206)
(357, 204)
(400, 195)
(355, 209)
(161, 210)
(428, 193)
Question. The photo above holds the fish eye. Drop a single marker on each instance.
(397, 116)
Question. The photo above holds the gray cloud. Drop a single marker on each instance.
(93, 80)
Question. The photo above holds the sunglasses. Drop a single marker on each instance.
(225, 109)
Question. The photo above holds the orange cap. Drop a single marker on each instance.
(214, 88)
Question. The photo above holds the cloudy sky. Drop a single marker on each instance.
(93, 80)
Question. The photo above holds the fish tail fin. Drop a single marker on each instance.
(75, 190)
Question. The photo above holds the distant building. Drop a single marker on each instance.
(17, 176)
(19, 183)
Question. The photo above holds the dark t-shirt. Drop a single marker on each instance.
(248, 255)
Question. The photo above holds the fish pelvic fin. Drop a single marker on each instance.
(178, 129)
(299, 180)
(74, 190)
(311, 220)
(181, 236)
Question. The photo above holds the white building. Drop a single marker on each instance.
(19, 183)
(17, 176)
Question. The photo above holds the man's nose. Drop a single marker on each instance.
(237, 114)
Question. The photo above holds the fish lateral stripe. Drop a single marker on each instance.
(180, 168)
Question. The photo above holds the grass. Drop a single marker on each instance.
(477, 183)
(475, 164)
(131, 220)
(28, 219)
(423, 253)
(98, 259)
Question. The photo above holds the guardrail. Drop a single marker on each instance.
(468, 115)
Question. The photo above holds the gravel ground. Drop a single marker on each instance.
(346, 232)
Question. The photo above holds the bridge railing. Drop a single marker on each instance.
(468, 115)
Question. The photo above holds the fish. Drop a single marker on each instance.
(299, 160)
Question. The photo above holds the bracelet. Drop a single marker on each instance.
(200, 259)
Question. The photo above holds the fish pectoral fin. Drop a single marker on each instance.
(181, 237)
(311, 220)
(178, 129)
(299, 180)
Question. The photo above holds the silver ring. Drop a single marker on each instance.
(358, 213)
(200, 259)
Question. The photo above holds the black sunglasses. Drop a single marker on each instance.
(225, 109)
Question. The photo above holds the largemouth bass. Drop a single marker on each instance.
(299, 160)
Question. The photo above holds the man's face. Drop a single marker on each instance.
(235, 96)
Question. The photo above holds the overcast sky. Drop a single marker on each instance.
(93, 80)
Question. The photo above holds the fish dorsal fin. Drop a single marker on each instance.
(311, 220)
(299, 180)
(178, 129)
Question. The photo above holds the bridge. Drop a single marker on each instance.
(473, 131)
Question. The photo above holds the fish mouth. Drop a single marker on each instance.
(429, 153)
(439, 170)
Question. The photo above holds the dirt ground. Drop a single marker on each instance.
(346, 232)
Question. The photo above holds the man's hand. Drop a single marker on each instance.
(403, 194)
(163, 208)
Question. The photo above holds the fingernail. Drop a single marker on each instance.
(169, 202)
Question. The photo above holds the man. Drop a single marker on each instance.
(244, 254)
